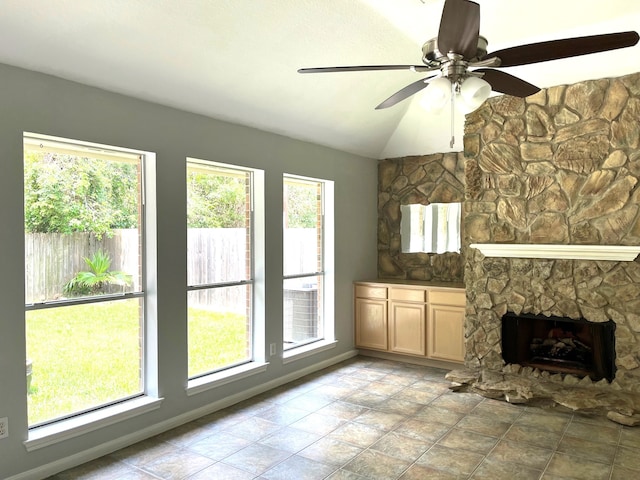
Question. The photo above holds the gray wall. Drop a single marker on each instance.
(43, 104)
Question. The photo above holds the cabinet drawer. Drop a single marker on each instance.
(369, 291)
(407, 294)
(447, 297)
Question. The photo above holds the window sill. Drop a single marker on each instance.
(46, 435)
(307, 350)
(226, 376)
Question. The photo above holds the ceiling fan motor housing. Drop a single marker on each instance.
(433, 58)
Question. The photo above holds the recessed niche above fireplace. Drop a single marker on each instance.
(560, 345)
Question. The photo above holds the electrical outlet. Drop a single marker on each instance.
(272, 349)
(4, 427)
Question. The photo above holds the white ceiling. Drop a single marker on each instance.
(236, 60)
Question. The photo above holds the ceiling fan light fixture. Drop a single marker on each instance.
(473, 92)
(437, 94)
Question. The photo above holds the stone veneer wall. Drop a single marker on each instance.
(559, 167)
(437, 178)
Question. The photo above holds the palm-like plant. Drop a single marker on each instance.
(97, 278)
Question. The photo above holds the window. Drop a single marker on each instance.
(304, 287)
(220, 268)
(84, 267)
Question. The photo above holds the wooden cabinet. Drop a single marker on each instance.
(371, 317)
(446, 325)
(411, 319)
(407, 315)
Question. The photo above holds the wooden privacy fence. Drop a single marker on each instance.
(52, 259)
(215, 255)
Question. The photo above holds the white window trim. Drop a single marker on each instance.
(223, 377)
(40, 437)
(307, 350)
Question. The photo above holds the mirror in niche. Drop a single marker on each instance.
(433, 228)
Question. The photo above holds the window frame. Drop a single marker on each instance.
(94, 417)
(327, 339)
(216, 376)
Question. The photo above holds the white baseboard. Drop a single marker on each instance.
(106, 448)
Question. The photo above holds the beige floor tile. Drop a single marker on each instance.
(498, 410)
(421, 472)
(144, 452)
(400, 446)
(399, 379)
(103, 468)
(342, 410)
(496, 470)
(298, 468)
(384, 389)
(403, 407)
(458, 402)
(630, 437)
(628, 458)
(621, 473)
(580, 447)
(534, 436)
(256, 458)
(319, 424)
(357, 434)
(253, 428)
(283, 414)
(544, 420)
(372, 419)
(373, 464)
(221, 471)
(345, 475)
(596, 433)
(420, 429)
(521, 454)
(466, 440)
(450, 460)
(178, 464)
(366, 399)
(290, 439)
(484, 425)
(568, 466)
(380, 420)
(331, 452)
(440, 415)
(219, 446)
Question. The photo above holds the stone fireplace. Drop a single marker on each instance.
(557, 168)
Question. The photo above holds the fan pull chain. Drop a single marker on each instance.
(453, 94)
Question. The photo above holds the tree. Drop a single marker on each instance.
(68, 193)
(215, 201)
(301, 205)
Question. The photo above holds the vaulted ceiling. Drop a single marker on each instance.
(237, 60)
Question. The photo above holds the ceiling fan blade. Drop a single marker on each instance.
(406, 92)
(568, 47)
(364, 68)
(505, 83)
(459, 28)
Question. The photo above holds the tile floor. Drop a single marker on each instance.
(368, 418)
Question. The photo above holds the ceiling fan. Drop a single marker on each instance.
(468, 72)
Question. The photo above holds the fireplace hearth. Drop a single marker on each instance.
(560, 345)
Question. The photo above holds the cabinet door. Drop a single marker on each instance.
(446, 333)
(371, 323)
(407, 328)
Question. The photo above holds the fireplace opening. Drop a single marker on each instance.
(560, 345)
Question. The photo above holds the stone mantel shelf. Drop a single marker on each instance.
(616, 253)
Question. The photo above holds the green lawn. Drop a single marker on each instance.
(88, 355)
